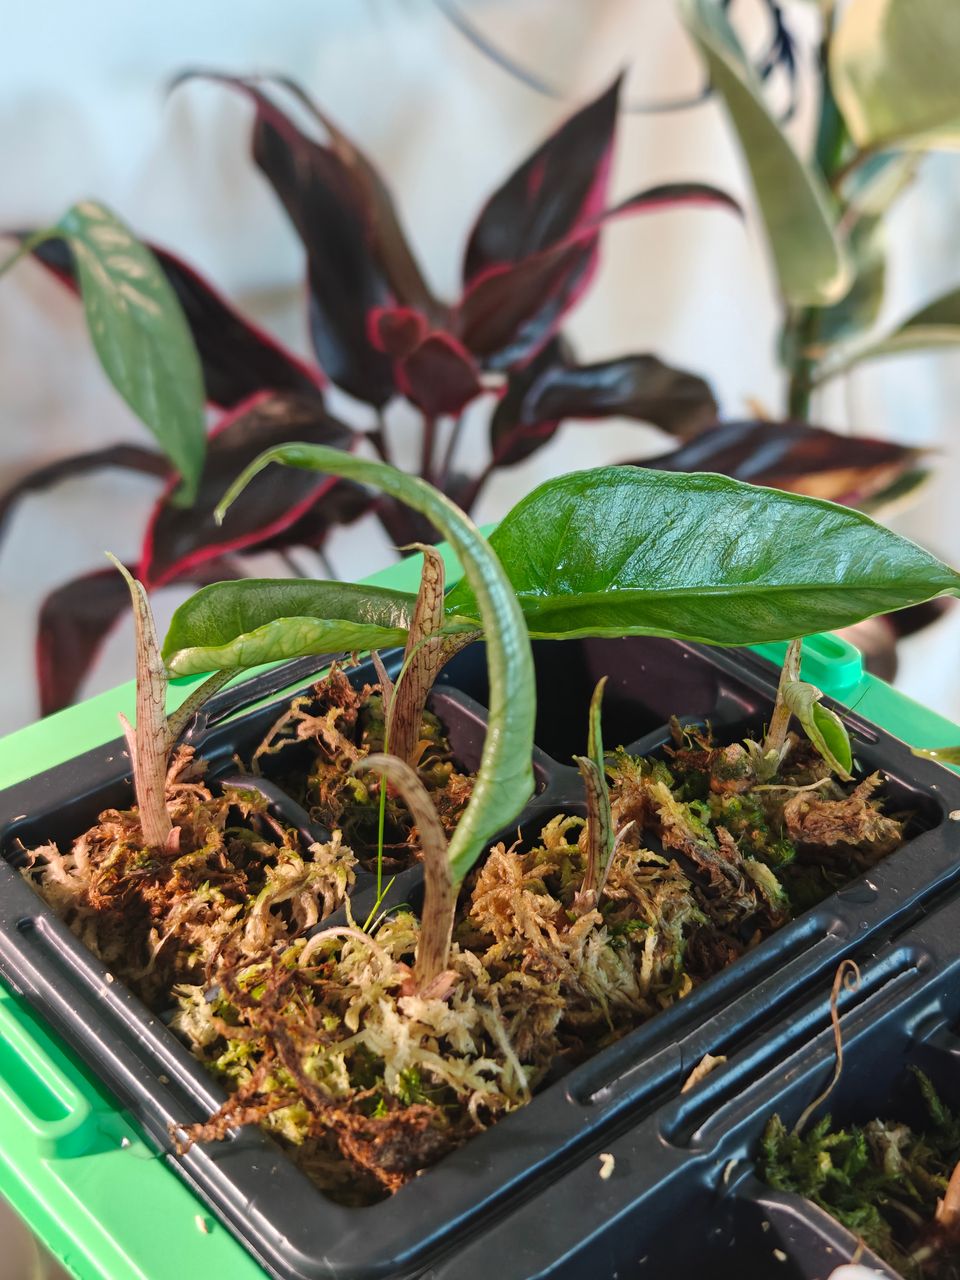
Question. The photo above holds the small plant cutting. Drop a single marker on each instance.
(370, 1045)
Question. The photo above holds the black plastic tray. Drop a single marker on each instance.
(248, 1182)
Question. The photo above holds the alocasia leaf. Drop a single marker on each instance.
(254, 620)
(809, 259)
(237, 358)
(174, 546)
(140, 334)
(504, 780)
(623, 551)
(511, 310)
(796, 457)
(558, 187)
(893, 68)
(553, 387)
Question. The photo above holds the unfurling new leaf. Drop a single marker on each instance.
(822, 726)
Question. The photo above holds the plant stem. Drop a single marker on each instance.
(780, 720)
(453, 441)
(800, 334)
(378, 438)
(469, 496)
(427, 448)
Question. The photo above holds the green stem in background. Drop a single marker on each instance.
(801, 328)
(453, 441)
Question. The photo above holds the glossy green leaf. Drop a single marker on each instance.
(893, 69)
(822, 726)
(505, 778)
(253, 620)
(627, 551)
(140, 334)
(809, 259)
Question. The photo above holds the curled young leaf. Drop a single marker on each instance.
(419, 660)
(822, 726)
(624, 551)
(600, 834)
(149, 742)
(439, 376)
(140, 334)
(440, 888)
(505, 778)
(256, 620)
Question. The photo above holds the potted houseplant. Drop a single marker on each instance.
(376, 1029)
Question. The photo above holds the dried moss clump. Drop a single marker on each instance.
(889, 1184)
(341, 725)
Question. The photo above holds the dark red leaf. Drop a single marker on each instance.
(125, 457)
(397, 330)
(795, 457)
(76, 618)
(553, 388)
(179, 540)
(560, 186)
(392, 249)
(439, 376)
(73, 621)
(328, 208)
(343, 503)
(509, 312)
(238, 358)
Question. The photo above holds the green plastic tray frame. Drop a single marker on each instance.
(75, 1167)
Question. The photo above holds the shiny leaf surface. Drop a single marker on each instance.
(624, 551)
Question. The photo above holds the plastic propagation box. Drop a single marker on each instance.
(90, 1080)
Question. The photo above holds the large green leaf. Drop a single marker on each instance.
(505, 777)
(140, 334)
(893, 69)
(626, 551)
(809, 259)
(240, 624)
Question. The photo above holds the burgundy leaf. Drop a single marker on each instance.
(238, 358)
(179, 540)
(509, 312)
(344, 503)
(560, 186)
(125, 457)
(439, 376)
(76, 618)
(795, 457)
(397, 330)
(328, 209)
(552, 389)
(393, 251)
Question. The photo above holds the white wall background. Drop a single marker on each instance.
(83, 112)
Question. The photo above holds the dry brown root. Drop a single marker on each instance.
(342, 725)
(160, 918)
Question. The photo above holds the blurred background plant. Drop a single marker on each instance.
(462, 391)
